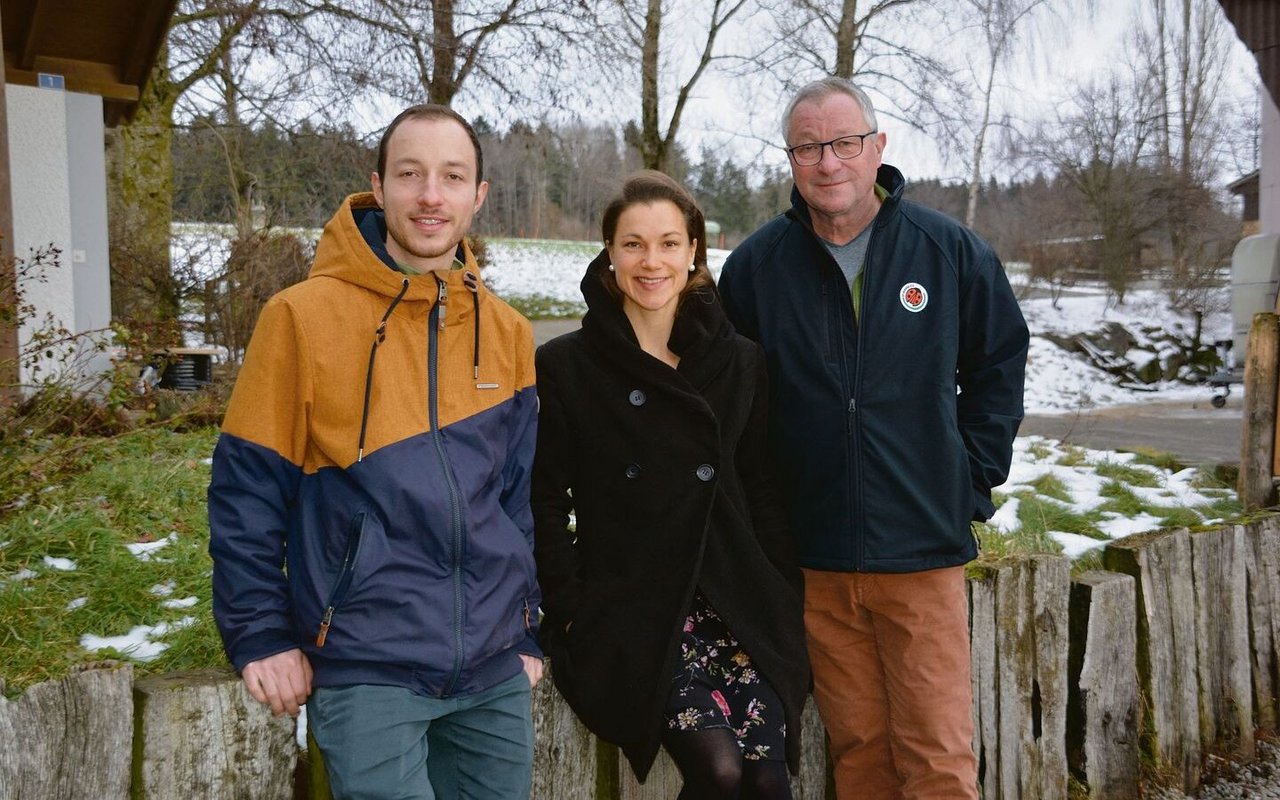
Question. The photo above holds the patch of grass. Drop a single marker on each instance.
(1225, 507)
(994, 544)
(137, 487)
(1038, 516)
(540, 306)
(1051, 485)
(1178, 517)
(1088, 561)
(1158, 459)
(1135, 476)
(1072, 456)
(583, 251)
(1121, 500)
(1212, 481)
(1040, 450)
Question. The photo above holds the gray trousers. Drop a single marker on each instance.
(382, 742)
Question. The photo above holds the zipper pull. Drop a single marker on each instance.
(443, 302)
(324, 627)
(526, 615)
(853, 409)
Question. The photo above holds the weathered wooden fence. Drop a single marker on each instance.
(1171, 653)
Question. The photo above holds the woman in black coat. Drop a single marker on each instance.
(673, 610)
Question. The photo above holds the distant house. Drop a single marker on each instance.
(1067, 260)
(70, 70)
(1257, 22)
(1246, 189)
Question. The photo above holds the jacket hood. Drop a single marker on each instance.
(700, 334)
(345, 254)
(887, 177)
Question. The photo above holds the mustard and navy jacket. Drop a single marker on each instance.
(378, 448)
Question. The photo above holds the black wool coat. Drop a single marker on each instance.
(665, 474)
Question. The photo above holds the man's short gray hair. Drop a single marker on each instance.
(826, 87)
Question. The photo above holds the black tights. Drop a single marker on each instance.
(713, 768)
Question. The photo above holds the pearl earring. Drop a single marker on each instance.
(693, 267)
(611, 269)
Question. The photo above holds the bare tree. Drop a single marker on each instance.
(1185, 52)
(1004, 26)
(645, 24)
(1097, 145)
(414, 50)
(205, 62)
(878, 44)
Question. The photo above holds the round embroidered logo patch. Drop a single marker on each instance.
(913, 297)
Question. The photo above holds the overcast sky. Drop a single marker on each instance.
(1073, 50)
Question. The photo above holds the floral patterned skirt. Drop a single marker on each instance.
(716, 686)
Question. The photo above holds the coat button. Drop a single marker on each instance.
(633, 470)
(637, 397)
(705, 472)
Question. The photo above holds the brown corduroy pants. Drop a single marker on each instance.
(890, 655)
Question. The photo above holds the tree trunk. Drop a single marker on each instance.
(651, 144)
(140, 198)
(847, 39)
(444, 54)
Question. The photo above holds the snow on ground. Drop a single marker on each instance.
(1057, 381)
(1076, 469)
(139, 643)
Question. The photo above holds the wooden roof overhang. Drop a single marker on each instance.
(1257, 23)
(102, 47)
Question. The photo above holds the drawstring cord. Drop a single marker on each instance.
(379, 336)
(471, 282)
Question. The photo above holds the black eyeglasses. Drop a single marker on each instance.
(845, 147)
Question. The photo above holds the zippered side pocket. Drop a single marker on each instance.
(343, 583)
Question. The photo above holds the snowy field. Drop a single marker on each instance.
(1058, 382)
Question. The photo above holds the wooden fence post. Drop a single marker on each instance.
(1018, 657)
(1263, 568)
(1218, 560)
(1161, 566)
(1258, 445)
(201, 734)
(1103, 711)
(811, 783)
(71, 738)
(564, 751)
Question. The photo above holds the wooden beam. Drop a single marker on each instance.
(34, 35)
(8, 332)
(78, 76)
(1257, 447)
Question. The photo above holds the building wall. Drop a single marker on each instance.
(87, 184)
(58, 175)
(1269, 172)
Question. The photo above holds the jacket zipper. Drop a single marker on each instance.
(851, 382)
(343, 584)
(435, 323)
(860, 522)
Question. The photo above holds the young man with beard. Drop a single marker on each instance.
(369, 507)
(896, 354)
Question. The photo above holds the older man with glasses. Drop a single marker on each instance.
(896, 355)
